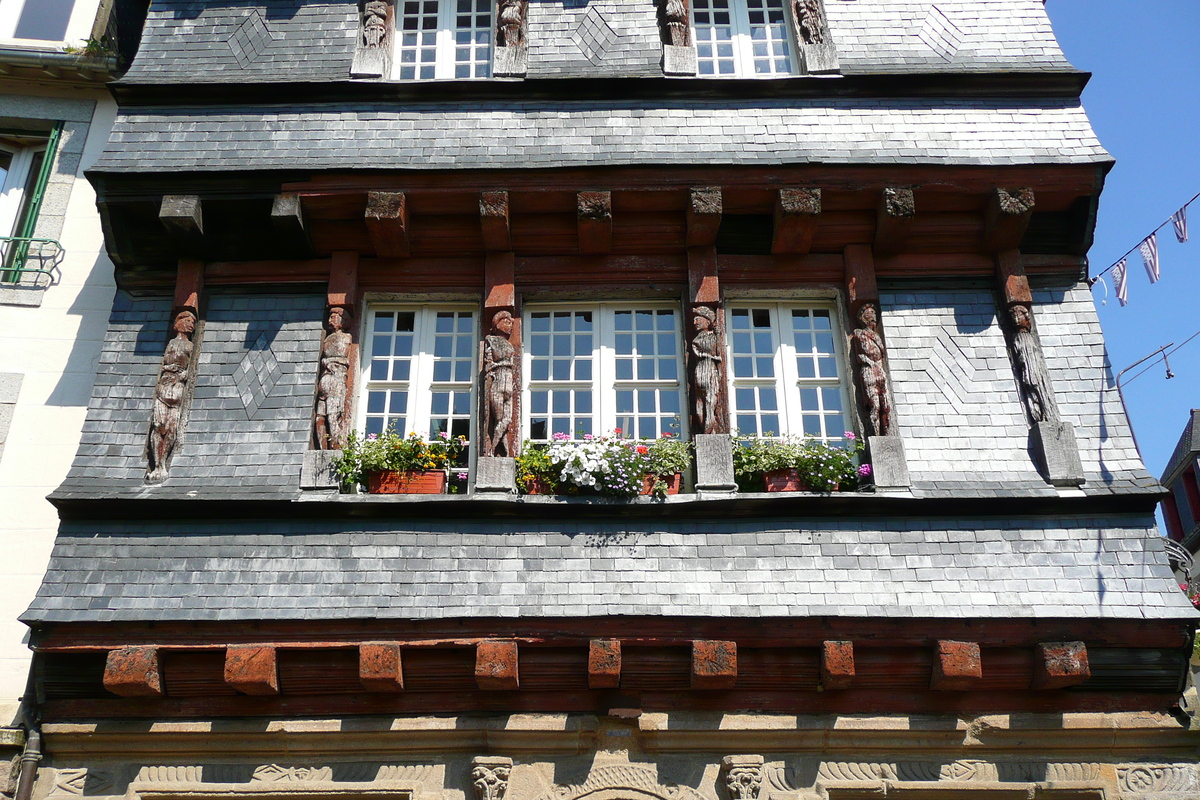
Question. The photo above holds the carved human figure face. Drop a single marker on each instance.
(185, 323)
(704, 320)
(868, 317)
(1021, 318)
(503, 322)
(337, 319)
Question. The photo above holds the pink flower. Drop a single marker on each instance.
(444, 435)
(587, 437)
(372, 437)
(561, 437)
(849, 435)
(864, 471)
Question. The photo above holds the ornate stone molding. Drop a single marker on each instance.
(1144, 780)
(290, 774)
(622, 782)
(743, 776)
(489, 776)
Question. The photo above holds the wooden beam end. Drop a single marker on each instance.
(134, 672)
(252, 668)
(714, 664)
(496, 665)
(956, 666)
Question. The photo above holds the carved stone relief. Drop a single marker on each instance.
(489, 775)
(288, 774)
(332, 419)
(499, 385)
(170, 393)
(635, 778)
(1151, 779)
(706, 372)
(870, 370)
(743, 776)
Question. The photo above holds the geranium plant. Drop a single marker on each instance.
(389, 450)
(822, 467)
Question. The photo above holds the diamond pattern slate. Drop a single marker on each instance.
(250, 39)
(594, 36)
(257, 374)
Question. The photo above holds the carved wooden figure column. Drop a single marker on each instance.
(173, 389)
(817, 52)
(868, 355)
(512, 33)
(1052, 438)
(373, 53)
(332, 419)
(675, 23)
(500, 359)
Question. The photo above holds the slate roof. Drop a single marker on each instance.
(237, 41)
(982, 568)
(503, 135)
(1186, 449)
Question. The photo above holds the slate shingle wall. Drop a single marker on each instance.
(250, 415)
(992, 568)
(190, 41)
(492, 135)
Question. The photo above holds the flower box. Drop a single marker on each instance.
(537, 486)
(784, 480)
(674, 483)
(431, 481)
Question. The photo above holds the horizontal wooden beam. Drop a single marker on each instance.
(714, 664)
(134, 672)
(703, 214)
(595, 220)
(797, 212)
(604, 663)
(496, 665)
(387, 224)
(252, 669)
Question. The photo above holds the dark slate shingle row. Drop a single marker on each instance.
(992, 568)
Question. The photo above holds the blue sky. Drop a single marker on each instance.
(1144, 103)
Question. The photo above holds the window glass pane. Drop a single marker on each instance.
(713, 31)
(418, 42)
(753, 348)
(565, 354)
(473, 39)
(44, 19)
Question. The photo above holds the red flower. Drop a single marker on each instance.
(666, 435)
(617, 430)
(642, 449)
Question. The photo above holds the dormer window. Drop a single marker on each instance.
(742, 38)
(444, 39)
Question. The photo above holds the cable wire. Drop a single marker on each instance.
(1129, 252)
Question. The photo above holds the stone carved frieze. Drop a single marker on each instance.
(1153, 779)
(489, 776)
(743, 776)
(631, 777)
(1029, 364)
(870, 369)
(170, 392)
(77, 781)
(853, 772)
(706, 371)
(170, 774)
(499, 385)
(282, 773)
(332, 418)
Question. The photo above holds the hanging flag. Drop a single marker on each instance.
(1179, 220)
(1149, 248)
(1120, 273)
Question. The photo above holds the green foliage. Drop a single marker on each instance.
(533, 463)
(604, 465)
(669, 455)
(391, 451)
(822, 467)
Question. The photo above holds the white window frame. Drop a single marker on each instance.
(79, 27)
(445, 47)
(743, 43)
(12, 192)
(420, 384)
(787, 380)
(604, 384)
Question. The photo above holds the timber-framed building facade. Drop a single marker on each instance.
(535, 221)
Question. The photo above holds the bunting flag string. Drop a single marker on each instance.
(1179, 220)
(1148, 248)
(1120, 274)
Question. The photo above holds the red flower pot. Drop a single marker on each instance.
(431, 481)
(784, 480)
(673, 482)
(537, 486)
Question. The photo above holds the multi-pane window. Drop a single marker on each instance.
(420, 367)
(742, 38)
(591, 370)
(443, 39)
(785, 371)
(38, 20)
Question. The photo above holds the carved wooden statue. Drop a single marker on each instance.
(706, 370)
(868, 352)
(810, 21)
(374, 23)
(511, 23)
(675, 17)
(1030, 367)
(332, 423)
(169, 394)
(499, 383)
